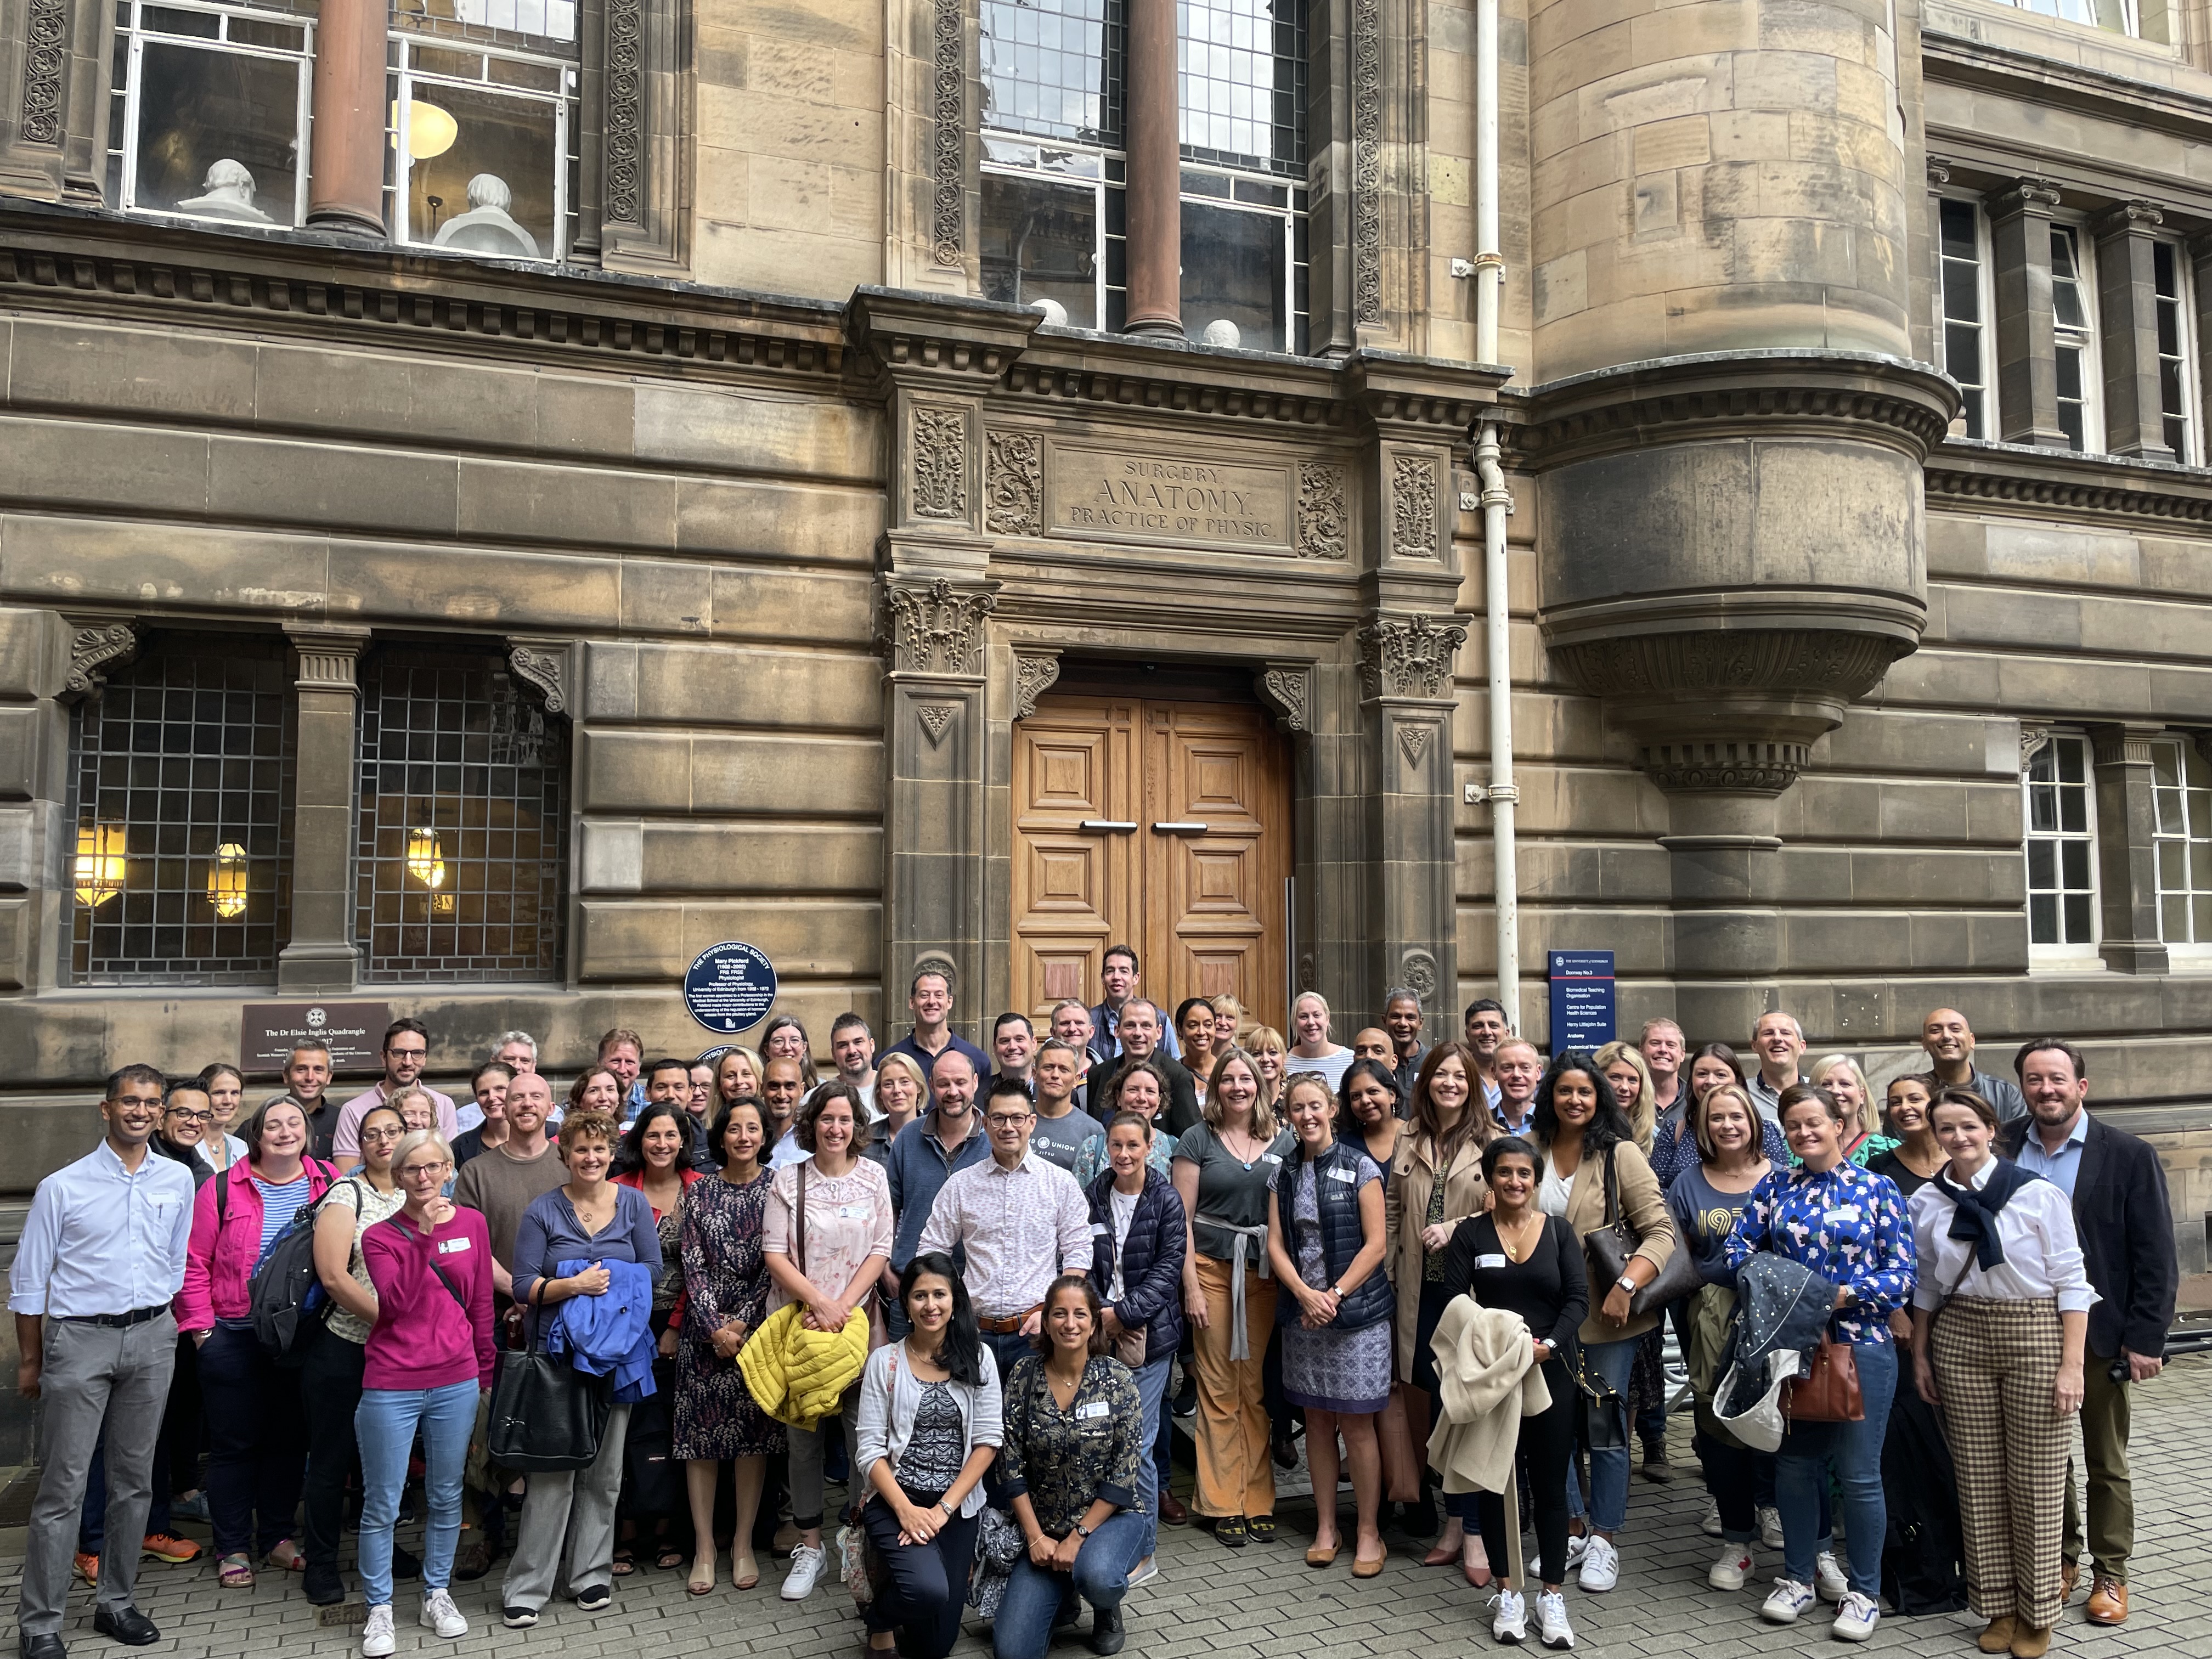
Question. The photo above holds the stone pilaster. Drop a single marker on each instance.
(321, 959)
(2028, 358)
(55, 59)
(2127, 847)
(45, 661)
(2127, 314)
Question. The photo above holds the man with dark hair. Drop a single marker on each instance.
(1014, 1040)
(1401, 1019)
(306, 1082)
(853, 1046)
(1117, 977)
(923, 1156)
(929, 997)
(406, 1051)
(1486, 1027)
(1141, 1036)
(2126, 1229)
(100, 1259)
(1949, 1041)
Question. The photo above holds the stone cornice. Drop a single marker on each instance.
(2048, 82)
(62, 257)
(1888, 400)
(1965, 475)
(937, 337)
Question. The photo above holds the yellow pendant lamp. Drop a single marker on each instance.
(226, 882)
(99, 867)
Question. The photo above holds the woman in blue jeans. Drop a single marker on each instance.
(1074, 1439)
(428, 1361)
(1851, 1228)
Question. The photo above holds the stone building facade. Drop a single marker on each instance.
(498, 495)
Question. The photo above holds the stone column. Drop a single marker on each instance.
(2127, 848)
(45, 661)
(345, 191)
(1155, 161)
(2127, 306)
(2028, 359)
(319, 959)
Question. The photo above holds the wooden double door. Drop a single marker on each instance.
(1164, 825)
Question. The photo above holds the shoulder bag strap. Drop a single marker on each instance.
(408, 1232)
(1612, 1186)
(798, 1227)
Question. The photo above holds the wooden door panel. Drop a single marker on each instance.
(1074, 891)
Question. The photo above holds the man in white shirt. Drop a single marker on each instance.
(782, 1083)
(101, 1257)
(853, 1046)
(406, 1051)
(1022, 1220)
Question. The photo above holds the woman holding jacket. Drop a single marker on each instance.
(1596, 1177)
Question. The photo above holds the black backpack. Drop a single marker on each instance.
(285, 1297)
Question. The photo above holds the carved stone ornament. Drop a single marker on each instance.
(940, 463)
(1324, 524)
(1013, 484)
(1287, 688)
(545, 666)
(2032, 739)
(93, 647)
(1034, 674)
(936, 630)
(1413, 507)
(1734, 661)
(1366, 161)
(948, 167)
(1410, 657)
(625, 118)
(936, 962)
(1413, 740)
(1752, 766)
(1306, 971)
(935, 717)
(45, 56)
(1417, 972)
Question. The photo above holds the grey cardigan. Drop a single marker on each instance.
(890, 1396)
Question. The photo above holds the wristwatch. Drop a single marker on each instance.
(1082, 1531)
(1627, 1283)
(946, 1507)
(1338, 1292)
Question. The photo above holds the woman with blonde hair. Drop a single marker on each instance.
(1271, 1059)
(1840, 1076)
(736, 1073)
(1630, 1080)
(896, 1106)
(1230, 1024)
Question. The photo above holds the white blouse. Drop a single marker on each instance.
(2043, 1256)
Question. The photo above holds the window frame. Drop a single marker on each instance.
(1986, 292)
(2088, 339)
(1295, 319)
(2180, 953)
(1100, 185)
(403, 45)
(2184, 302)
(2130, 18)
(2070, 956)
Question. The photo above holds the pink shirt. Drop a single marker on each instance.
(847, 1220)
(425, 1337)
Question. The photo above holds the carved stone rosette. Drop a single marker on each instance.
(93, 648)
(940, 463)
(1035, 671)
(937, 629)
(1324, 522)
(625, 118)
(1013, 484)
(46, 56)
(1408, 657)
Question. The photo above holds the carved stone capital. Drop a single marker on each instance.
(96, 645)
(1288, 689)
(2126, 743)
(1408, 657)
(2137, 218)
(2036, 196)
(544, 664)
(936, 628)
(327, 654)
(1035, 670)
(1939, 172)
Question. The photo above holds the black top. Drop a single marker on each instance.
(1889, 1164)
(1550, 1290)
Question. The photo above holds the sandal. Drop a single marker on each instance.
(625, 1563)
(234, 1572)
(744, 1572)
(697, 1585)
(669, 1560)
(296, 1562)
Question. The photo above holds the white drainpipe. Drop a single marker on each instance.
(1496, 502)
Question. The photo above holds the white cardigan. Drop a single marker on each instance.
(890, 1396)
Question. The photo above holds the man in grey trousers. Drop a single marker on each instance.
(102, 1255)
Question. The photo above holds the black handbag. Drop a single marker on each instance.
(546, 1415)
(1610, 1245)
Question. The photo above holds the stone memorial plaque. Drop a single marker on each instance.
(1136, 495)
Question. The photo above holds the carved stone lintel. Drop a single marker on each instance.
(1413, 507)
(1013, 484)
(328, 655)
(936, 630)
(1288, 689)
(95, 647)
(948, 161)
(1034, 673)
(1366, 161)
(1408, 657)
(544, 664)
(940, 463)
(1324, 521)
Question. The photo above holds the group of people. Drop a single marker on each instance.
(1446, 1265)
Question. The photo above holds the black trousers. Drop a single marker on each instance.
(329, 1389)
(1547, 1442)
(258, 1443)
(928, 1585)
(181, 1430)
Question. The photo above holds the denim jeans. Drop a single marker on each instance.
(1608, 1504)
(385, 1424)
(1034, 1596)
(1152, 1391)
(1853, 1450)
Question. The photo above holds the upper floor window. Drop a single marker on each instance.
(2145, 18)
(2181, 788)
(2175, 400)
(1962, 314)
(461, 859)
(2062, 882)
(181, 779)
(483, 138)
(1241, 70)
(2074, 338)
(210, 112)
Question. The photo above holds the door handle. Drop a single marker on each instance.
(1179, 827)
(1109, 826)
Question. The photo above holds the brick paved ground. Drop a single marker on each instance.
(1213, 1603)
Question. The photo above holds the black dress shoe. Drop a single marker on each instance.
(48, 1646)
(323, 1587)
(1106, 1632)
(125, 1625)
(406, 1564)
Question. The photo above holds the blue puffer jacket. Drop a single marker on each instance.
(1152, 1262)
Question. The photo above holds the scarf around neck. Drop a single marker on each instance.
(1975, 1209)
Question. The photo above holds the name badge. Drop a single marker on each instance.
(852, 1213)
(452, 1246)
(1098, 1229)
(1271, 1157)
(1490, 1262)
(1349, 1178)
(1093, 1408)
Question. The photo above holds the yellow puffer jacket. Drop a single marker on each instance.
(799, 1375)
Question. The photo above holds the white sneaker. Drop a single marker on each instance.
(1770, 1527)
(805, 1569)
(1600, 1566)
(1709, 1522)
(1552, 1620)
(377, 1640)
(1856, 1618)
(1788, 1600)
(439, 1614)
(1577, 1542)
(1510, 1622)
(1732, 1569)
(1828, 1578)
(1145, 1571)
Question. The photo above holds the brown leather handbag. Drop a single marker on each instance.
(1829, 1393)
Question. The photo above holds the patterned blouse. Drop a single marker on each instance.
(1064, 1460)
(1849, 1227)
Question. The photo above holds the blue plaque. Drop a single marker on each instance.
(1583, 1011)
(730, 987)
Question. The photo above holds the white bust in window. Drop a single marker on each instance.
(226, 193)
(1222, 332)
(487, 226)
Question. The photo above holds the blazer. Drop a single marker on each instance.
(1177, 1112)
(1405, 1212)
(1653, 1224)
(2126, 1227)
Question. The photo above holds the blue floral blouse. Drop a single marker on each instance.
(1847, 1225)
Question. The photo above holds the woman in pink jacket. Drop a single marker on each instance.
(257, 1449)
(427, 1362)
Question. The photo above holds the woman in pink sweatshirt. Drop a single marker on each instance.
(429, 1359)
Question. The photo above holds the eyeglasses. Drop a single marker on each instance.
(138, 1103)
(1001, 1120)
(434, 1171)
(387, 1132)
(189, 1115)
